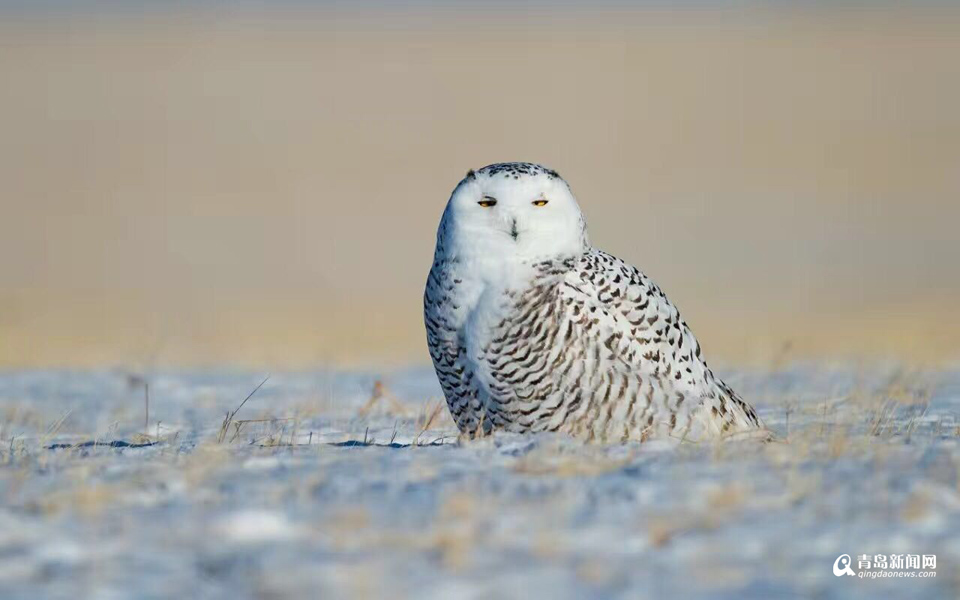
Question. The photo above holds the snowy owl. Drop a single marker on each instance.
(532, 329)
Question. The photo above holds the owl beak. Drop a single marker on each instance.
(513, 229)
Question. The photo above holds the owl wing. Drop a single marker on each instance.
(447, 348)
(629, 325)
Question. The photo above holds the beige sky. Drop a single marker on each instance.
(265, 190)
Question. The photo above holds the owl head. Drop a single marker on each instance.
(512, 212)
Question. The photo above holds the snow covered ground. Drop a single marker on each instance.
(329, 484)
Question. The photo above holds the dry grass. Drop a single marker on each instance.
(228, 419)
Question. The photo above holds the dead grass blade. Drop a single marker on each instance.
(228, 419)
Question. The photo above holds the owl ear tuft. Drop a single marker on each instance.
(471, 174)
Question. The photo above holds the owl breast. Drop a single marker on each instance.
(543, 367)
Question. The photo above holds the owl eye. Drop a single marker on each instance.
(487, 202)
(540, 202)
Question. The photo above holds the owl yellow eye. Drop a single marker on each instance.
(540, 202)
(487, 202)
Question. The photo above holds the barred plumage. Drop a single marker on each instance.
(530, 329)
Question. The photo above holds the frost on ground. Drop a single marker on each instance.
(335, 485)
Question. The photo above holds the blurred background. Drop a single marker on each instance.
(260, 184)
